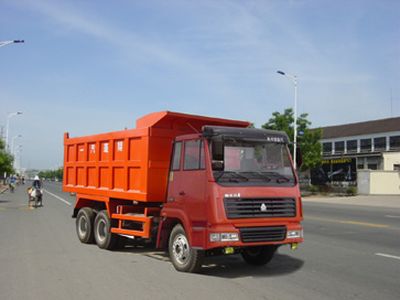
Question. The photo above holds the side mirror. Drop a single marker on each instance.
(217, 165)
(299, 157)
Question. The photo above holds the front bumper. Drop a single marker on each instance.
(277, 234)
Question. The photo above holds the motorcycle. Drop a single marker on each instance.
(35, 197)
(12, 187)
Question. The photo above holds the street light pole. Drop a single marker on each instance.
(293, 78)
(5, 43)
(10, 115)
(2, 44)
(12, 142)
(17, 159)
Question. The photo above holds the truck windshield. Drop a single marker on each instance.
(248, 162)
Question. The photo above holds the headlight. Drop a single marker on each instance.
(224, 237)
(215, 237)
(294, 234)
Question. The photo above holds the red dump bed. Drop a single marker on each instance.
(130, 164)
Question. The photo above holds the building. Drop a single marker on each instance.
(374, 144)
(366, 153)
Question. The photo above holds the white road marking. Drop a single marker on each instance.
(388, 255)
(394, 217)
(59, 198)
(349, 222)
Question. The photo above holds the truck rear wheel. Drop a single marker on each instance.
(84, 225)
(183, 257)
(102, 231)
(258, 256)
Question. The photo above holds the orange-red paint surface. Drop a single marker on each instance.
(130, 164)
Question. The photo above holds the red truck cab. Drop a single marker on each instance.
(234, 190)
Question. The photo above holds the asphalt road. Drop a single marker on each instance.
(350, 252)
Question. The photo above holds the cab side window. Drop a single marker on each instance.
(194, 155)
(176, 160)
(202, 159)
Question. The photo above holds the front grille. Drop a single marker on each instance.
(237, 208)
(262, 234)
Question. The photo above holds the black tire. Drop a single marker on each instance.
(183, 257)
(258, 256)
(102, 232)
(30, 201)
(84, 225)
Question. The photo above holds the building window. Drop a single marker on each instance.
(374, 163)
(396, 167)
(327, 148)
(339, 147)
(351, 146)
(365, 145)
(380, 143)
(360, 163)
(394, 142)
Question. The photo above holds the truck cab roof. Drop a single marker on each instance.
(248, 133)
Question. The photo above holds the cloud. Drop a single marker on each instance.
(212, 50)
(64, 14)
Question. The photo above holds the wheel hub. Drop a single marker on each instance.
(82, 226)
(101, 230)
(181, 249)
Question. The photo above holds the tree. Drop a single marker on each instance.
(6, 160)
(308, 140)
(52, 174)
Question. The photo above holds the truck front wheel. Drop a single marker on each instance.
(102, 231)
(84, 225)
(183, 257)
(259, 256)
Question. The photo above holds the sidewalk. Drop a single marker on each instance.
(3, 188)
(376, 201)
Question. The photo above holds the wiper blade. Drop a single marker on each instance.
(281, 178)
(260, 174)
(238, 176)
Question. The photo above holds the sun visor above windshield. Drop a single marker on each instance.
(184, 123)
(246, 133)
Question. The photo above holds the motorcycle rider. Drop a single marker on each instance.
(36, 188)
(12, 182)
(37, 184)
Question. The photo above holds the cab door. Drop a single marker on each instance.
(194, 182)
(187, 185)
(174, 198)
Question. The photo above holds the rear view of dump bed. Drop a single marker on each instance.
(130, 164)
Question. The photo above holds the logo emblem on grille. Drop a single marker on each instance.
(263, 207)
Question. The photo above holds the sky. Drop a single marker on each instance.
(89, 67)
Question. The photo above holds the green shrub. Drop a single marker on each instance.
(351, 191)
(326, 189)
(313, 189)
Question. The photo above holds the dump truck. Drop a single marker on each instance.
(192, 185)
